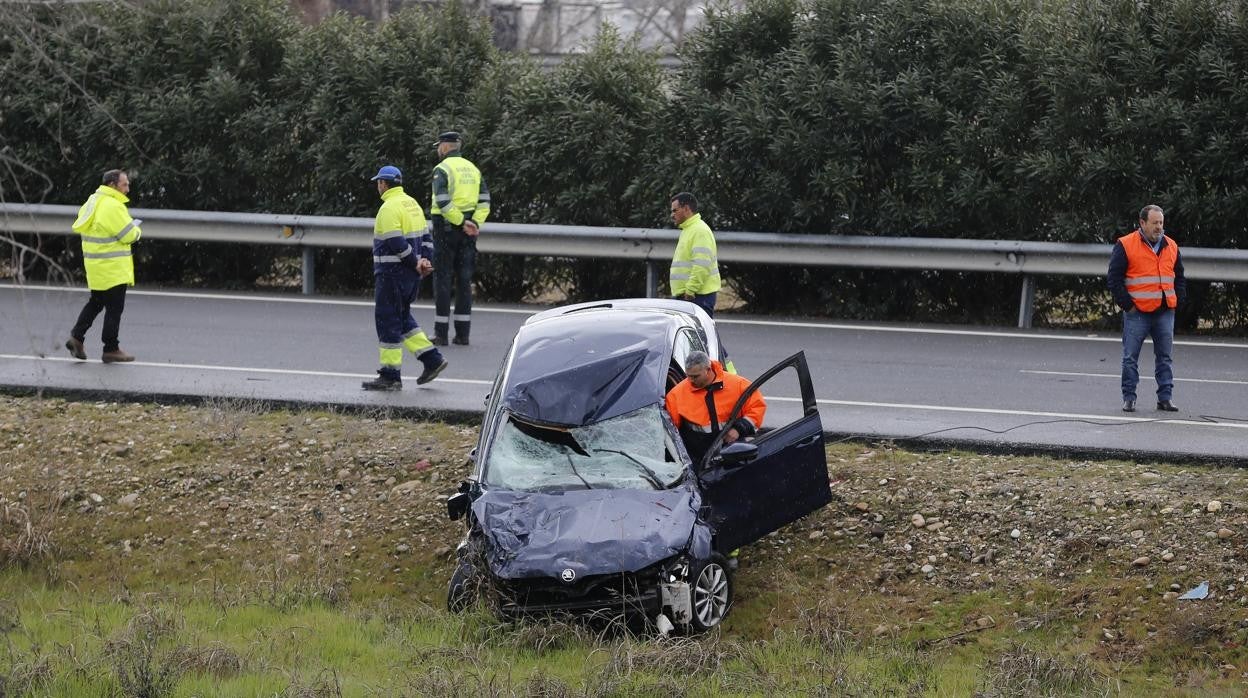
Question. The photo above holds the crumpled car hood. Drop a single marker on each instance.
(580, 370)
(590, 532)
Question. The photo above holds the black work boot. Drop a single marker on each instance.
(383, 382)
(439, 334)
(461, 332)
(433, 366)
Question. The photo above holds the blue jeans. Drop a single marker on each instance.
(705, 301)
(1135, 327)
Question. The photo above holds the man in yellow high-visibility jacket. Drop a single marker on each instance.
(401, 251)
(461, 203)
(694, 274)
(107, 232)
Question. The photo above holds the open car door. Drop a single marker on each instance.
(757, 487)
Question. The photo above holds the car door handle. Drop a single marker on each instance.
(808, 441)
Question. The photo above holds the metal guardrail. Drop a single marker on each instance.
(654, 247)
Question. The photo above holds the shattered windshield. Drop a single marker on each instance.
(632, 451)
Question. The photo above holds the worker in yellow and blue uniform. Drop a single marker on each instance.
(694, 274)
(107, 231)
(402, 249)
(461, 203)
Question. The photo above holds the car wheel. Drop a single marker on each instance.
(461, 592)
(710, 590)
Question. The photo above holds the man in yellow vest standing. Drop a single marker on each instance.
(1146, 279)
(107, 232)
(461, 203)
(694, 274)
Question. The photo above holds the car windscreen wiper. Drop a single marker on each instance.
(650, 476)
(560, 436)
(577, 474)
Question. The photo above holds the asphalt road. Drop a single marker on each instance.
(1004, 389)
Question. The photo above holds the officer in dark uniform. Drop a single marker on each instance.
(461, 203)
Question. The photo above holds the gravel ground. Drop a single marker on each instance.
(184, 492)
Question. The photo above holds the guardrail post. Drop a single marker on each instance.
(1026, 304)
(652, 279)
(309, 271)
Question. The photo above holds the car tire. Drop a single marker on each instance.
(461, 592)
(710, 592)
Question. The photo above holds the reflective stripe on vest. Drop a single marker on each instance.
(105, 255)
(413, 243)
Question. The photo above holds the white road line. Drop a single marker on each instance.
(1116, 376)
(776, 398)
(960, 333)
(240, 369)
(260, 299)
(718, 321)
(1017, 413)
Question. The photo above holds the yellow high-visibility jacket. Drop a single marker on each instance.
(459, 190)
(107, 232)
(695, 267)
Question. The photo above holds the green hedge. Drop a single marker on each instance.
(956, 118)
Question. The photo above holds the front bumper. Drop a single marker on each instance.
(616, 594)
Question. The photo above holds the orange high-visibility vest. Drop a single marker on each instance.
(691, 409)
(1150, 275)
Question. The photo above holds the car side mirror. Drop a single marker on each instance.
(457, 505)
(738, 453)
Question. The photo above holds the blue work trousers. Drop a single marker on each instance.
(393, 294)
(1136, 326)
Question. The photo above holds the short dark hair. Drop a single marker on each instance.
(111, 177)
(1149, 209)
(684, 198)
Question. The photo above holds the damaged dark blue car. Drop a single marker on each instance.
(583, 498)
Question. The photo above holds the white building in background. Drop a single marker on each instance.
(551, 27)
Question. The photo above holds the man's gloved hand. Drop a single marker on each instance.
(471, 229)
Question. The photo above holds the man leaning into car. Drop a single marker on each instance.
(700, 405)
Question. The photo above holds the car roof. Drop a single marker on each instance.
(668, 305)
(585, 367)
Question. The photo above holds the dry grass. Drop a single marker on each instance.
(1023, 673)
(828, 626)
(677, 657)
(213, 660)
(30, 677)
(325, 685)
(227, 417)
(133, 653)
(26, 534)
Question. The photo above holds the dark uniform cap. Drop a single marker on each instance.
(448, 137)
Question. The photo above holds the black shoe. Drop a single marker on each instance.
(438, 340)
(461, 340)
(1166, 406)
(431, 373)
(383, 383)
(1128, 405)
